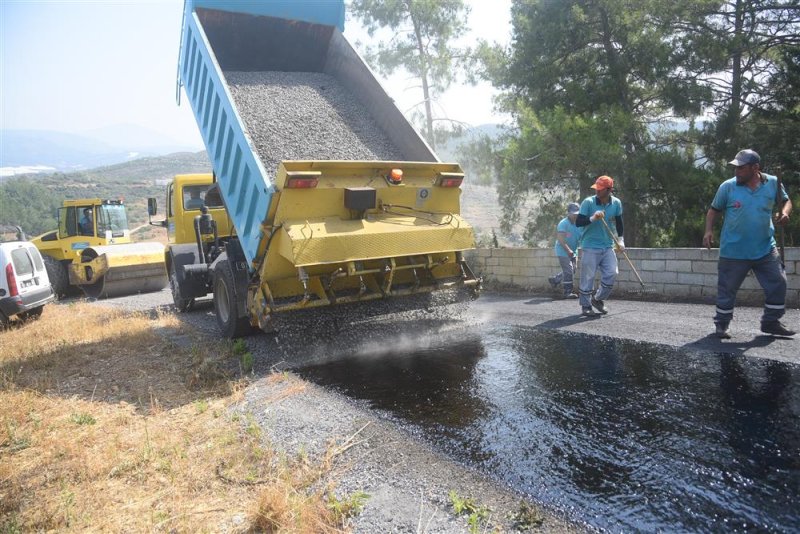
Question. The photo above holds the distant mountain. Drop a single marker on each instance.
(25, 151)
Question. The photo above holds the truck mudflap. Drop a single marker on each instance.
(115, 270)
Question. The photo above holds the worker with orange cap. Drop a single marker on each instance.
(597, 245)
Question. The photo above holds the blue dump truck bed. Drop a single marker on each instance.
(274, 81)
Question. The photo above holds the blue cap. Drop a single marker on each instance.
(745, 157)
(573, 208)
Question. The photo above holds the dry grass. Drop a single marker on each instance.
(109, 426)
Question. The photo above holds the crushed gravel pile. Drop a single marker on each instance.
(305, 115)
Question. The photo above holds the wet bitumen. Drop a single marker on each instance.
(618, 434)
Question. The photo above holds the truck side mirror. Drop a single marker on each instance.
(152, 206)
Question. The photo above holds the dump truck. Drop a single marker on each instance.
(333, 197)
(92, 251)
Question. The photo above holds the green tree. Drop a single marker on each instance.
(588, 82)
(423, 32)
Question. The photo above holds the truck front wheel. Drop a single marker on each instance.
(226, 304)
(182, 304)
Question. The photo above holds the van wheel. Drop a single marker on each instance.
(226, 304)
(33, 313)
(57, 273)
(181, 304)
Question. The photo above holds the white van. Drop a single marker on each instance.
(24, 285)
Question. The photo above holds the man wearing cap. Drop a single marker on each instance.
(567, 235)
(747, 242)
(597, 245)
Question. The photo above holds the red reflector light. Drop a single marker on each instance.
(451, 182)
(301, 183)
(396, 176)
(12, 281)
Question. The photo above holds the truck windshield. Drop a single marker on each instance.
(112, 217)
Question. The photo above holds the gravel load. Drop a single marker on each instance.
(305, 115)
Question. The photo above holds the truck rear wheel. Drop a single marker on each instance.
(181, 303)
(226, 305)
(57, 273)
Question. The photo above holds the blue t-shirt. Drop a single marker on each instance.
(595, 234)
(572, 234)
(747, 230)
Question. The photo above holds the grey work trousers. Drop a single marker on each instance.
(770, 275)
(592, 260)
(568, 266)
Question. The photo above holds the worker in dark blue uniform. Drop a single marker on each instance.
(747, 242)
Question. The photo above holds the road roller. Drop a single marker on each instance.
(92, 251)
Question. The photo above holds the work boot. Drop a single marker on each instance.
(722, 331)
(599, 305)
(587, 311)
(553, 282)
(776, 328)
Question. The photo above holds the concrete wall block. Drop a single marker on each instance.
(688, 253)
(691, 279)
(653, 265)
(665, 277)
(681, 266)
(710, 280)
(518, 270)
(492, 262)
(661, 253)
(505, 261)
(503, 278)
(704, 267)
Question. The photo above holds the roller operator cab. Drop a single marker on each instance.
(331, 196)
(24, 285)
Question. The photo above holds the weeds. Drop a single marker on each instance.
(528, 517)
(344, 509)
(82, 419)
(477, 516)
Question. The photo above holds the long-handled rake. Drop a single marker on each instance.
(644, 288)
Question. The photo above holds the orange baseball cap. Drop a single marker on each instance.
(604, 182)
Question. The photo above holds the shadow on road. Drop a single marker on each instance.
(731, 346)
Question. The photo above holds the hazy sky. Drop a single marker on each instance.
(75, 66)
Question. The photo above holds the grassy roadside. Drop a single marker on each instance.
(108, 425)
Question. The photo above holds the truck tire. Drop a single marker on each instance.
(181, 304)
(226, 303)
(57, 273)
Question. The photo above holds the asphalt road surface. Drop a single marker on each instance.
(686, 326)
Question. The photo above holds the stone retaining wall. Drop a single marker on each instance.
(684, 274)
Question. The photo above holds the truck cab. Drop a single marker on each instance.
(186, 195)
(191, 198)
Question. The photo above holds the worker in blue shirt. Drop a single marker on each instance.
(597, 245)
(747, 242)
(566, 248)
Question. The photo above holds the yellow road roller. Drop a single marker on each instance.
(92, 251)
